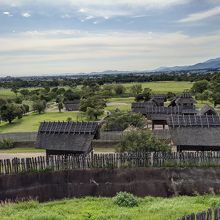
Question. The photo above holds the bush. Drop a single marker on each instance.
(124, 199)
(6, 144)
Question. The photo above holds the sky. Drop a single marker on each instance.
(41, 37)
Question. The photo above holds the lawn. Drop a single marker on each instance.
(150, 208)
(164, 86)
(31, 122)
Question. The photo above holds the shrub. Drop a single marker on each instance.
(6, 144)
(124, 199)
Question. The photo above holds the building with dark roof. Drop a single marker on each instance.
(208, 110)
(67, 137)
(158, 99)
(195, 133)
(72, 105)
(184, 101)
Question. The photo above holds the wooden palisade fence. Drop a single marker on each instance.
(204, 215)
(113, 160)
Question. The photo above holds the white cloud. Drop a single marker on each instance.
(26, 14)
(7, 13)
(68, 50)
(100, 8)
(201, 15)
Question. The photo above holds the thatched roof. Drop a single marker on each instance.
(193, 121)
(195, 131)
(196, 136)
(185, 97)
(207, 110)
(67, 136)
(158, 99)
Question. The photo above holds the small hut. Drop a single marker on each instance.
(184, 101)
(72, 105)
(207, 110)
(195, 133)
(158, 99)
(67, 137)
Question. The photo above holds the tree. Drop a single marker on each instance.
(214, 88)
(9, 112)
(39, 106)
(145, 96)
(136, 89)
(94, 113)
(119, 89)
(95, 102)
(107, 90)
(118, 121)
(15, 90)
(60, 106)
(24, 92)
(69, 95)
(141, 140)
(203, 96)
(200, 86)
(26, 108)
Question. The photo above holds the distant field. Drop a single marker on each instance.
(6, 93)
(150, 208)
(31, 122)
(164, 86)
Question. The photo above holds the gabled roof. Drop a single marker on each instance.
(206, 109)
(196, 137)
(193, 121)
(67, 136)
(198, 131)
(185, 97)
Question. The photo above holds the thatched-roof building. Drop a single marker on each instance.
(184, 101)
(67, 137)
(196, 133)
(158, 99)
(72, 105)
(208, 110)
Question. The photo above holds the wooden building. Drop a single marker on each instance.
(72, 105)
(184, 101)
(67, 137)
(195, 133)
(208, 110)
(158, 99)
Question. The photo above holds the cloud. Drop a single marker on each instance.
(7, 13)
(201, 15)
(26, 14)
(98, 8)
(68, 50)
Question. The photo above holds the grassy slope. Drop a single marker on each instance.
(6, 93)
(31, 122)
(103, 208)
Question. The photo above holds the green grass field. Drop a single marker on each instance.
(6, 93)
(31, 122)
(164, 86)
(150, 208)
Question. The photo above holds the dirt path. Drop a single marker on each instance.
(20, 155)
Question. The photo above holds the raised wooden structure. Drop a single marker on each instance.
(67, 137)
(195, 133)
(158, 99)
(72, 105)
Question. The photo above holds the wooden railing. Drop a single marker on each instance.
(114, 160)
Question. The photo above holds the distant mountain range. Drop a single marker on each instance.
(209, 64)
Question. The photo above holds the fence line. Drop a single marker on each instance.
(204, 215)
(113, 160)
